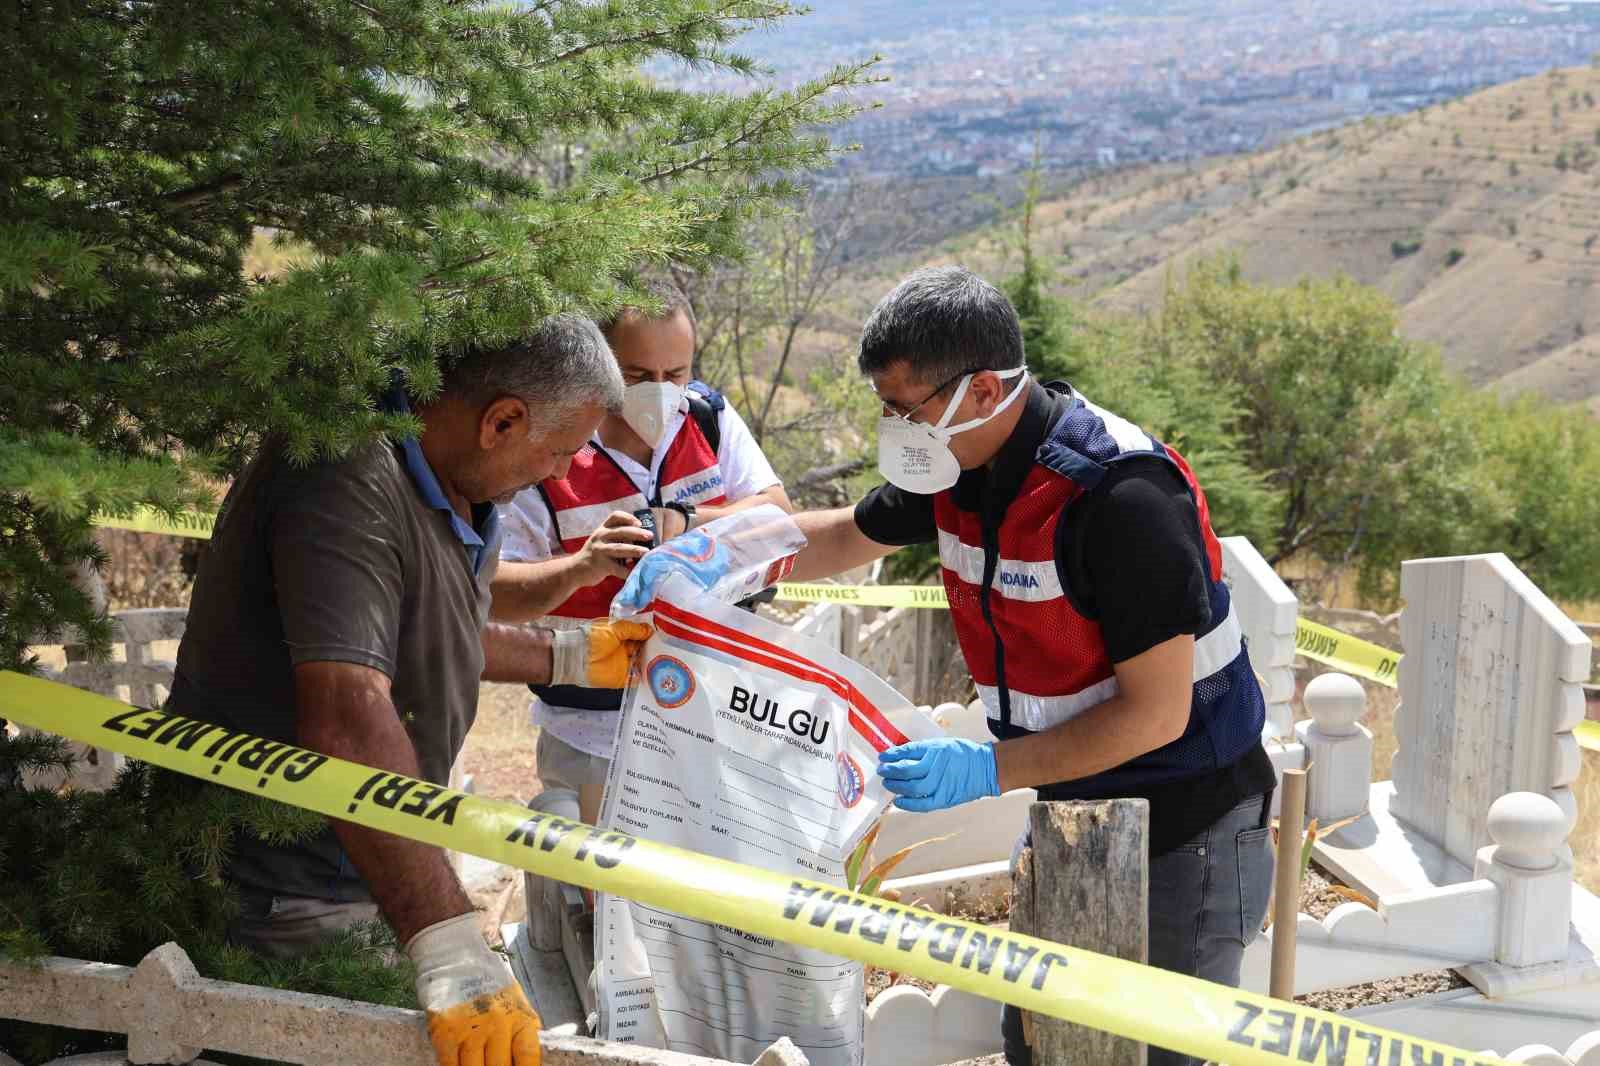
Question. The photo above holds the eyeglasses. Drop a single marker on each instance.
(894, 408)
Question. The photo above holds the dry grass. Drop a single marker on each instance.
(499, 748)
(1586, 837)
(270, 254)
(1499, 191)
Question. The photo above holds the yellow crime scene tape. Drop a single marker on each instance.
(1314, 641)
(864, 595)
(1351, 654)
(1311, 639)
(1588, 733)
(1218, 1023)
(149, 520)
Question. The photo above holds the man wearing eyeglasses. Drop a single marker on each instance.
(1085, 584)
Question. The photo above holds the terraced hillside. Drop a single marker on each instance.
(1481, 218)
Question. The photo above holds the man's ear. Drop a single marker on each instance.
(987, 391)
(506, 418)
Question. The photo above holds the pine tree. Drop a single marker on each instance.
(399, 147)
(144, 145)
(1045, 319)
(1136, 369)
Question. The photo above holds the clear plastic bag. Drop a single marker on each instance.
(730, 559)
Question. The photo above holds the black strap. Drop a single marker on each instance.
(576, 697)
(991, 561)
(705, 416)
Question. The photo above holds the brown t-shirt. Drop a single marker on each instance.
(350, 561)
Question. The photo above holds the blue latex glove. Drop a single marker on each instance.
(930, 775)
(700, 558)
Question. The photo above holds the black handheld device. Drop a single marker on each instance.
(647, 519)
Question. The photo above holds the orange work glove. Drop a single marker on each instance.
(596, 654)
(477, 1013)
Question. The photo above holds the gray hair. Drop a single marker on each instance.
(563, 364)
(942, 322)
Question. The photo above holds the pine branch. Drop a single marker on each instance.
(199, 194)
(140, 331)
(795, 109)
(719, 17)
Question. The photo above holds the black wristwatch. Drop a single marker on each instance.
(685, 509)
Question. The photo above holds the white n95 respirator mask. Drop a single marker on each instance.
(916, 456)
(648, 407)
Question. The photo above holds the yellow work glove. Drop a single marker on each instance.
(477, 1013)
(596, 654)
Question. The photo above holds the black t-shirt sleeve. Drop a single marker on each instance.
(891, 515)
(1136, 561)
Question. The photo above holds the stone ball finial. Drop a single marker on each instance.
(1529, 828)
(1336, 702)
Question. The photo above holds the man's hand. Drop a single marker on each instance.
(477, 1013)
(613, 548)
(930, 775)
(597, 654)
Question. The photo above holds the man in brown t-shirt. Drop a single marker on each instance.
(344, 606)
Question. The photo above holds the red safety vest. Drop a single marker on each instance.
(1036, 660)
(595, 486)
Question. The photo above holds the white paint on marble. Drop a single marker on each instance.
(1407, 934)
(909, 1027)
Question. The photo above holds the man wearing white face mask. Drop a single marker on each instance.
(677, 449)
(1085, 584)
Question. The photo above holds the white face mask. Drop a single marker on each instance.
(648, 406)
(916, 456)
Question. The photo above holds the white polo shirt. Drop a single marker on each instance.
(530, 537)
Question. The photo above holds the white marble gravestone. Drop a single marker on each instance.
(1267, 612)
(1489, 696)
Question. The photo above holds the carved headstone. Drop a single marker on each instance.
(1489, 696)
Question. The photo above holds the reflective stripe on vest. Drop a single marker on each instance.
(1212, 652)
(1041, 662)
(596, 485)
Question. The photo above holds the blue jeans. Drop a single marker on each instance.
(1208, 899)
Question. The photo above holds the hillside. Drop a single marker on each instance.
(1481, 218)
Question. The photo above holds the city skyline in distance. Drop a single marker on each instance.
(1100, 83)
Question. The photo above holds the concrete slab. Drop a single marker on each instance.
(1382, 856)
(547, 980)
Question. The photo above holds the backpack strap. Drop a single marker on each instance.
(705, 407)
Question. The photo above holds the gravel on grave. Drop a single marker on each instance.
(1317, 898)
(986, 908)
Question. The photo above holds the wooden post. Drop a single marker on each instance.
(1286, 892)
(1085, 882)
